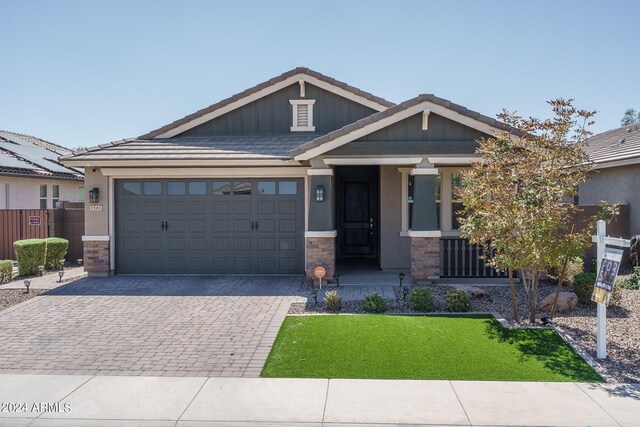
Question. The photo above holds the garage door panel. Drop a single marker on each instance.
(196, 225)
(221, 225)
(221, 207)
(267, 264)
(266, 226)
(241, 226)
(152, 207)
(242, 264)
(266, 207)
(176, 226)
(197, 244)
(242, 244)
(197, 264)
(153, 264)
(152, 244)
(221, 244)
(242, 207)
(222, 264)
(197, 207)
(132, 243)
(176, 265)
(287, 264)
(287, 225)
(266, 243)
(287, 207)
(287, 244)
(132, 207)
(176, 207)
(176, 243)
(131, 225)
(151, 225)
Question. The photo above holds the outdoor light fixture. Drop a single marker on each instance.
(320, 193)
(60, 273)
(27, 283)
(61, 262)
(79, 262)
(337, 277)
(41, 269)
(94, 195)
(401, 276)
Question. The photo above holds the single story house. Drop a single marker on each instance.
(31, 177)
(299, 171)
(616, 155)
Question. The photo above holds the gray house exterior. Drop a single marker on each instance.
(299, 171)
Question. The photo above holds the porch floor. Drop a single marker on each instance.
(365, 272)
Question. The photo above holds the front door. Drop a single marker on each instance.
(357, 212)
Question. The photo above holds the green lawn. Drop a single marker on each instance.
(421, 347)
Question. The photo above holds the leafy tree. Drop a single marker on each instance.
(518, 200)
(630, 117)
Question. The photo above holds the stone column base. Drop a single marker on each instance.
(425, 258)
(321, 251)
(96, 258)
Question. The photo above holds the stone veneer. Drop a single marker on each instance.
(425, 258)
(321, 251)
(96, 258)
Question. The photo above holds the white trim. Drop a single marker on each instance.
(295, 104)
(326, 172)
(96, 238)
(404, 233)
(434, 233)
(302, 92)
(400, 115)
(204, 172)
(463, 161)
(267, 91)
(424, 171)
(306, 207)
(112, 221)
(425, 119)
(332, 233)
(446, 200)
(617, 163)
(172, 163)
(372, 160)
(404, 210)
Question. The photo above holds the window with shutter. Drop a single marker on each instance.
(302, 115)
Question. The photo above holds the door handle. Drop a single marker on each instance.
(166, 225)
(256, 225)
(162, 225)
(252, 226)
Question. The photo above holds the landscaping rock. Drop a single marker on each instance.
(473, 291)
(567, 301)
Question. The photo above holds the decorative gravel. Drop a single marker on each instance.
(623, 323)
(9, 297)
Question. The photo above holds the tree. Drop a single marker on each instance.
(630, 117)
(518, 200)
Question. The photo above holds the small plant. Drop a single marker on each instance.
(56, 251)
(575, 266)
(6, 271)
(458, 301)
(583, 285)
(332, 302)
(30, 253)
(632, 281)
(421, 300)
(374, 303)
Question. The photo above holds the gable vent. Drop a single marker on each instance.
(302, 115)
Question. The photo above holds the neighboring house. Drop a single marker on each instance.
(31, 176)
(616, 154)
(296, 172)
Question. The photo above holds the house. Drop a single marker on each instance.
(616, 156)
(31, 177)
(299, 171)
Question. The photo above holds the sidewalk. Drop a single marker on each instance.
(49, 280)
(170, 401)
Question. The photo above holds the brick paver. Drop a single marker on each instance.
(127, 325)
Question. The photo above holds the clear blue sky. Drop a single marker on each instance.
(87, 72)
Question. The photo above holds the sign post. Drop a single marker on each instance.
(320, 272)
(608, 260)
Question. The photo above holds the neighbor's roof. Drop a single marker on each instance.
(264, 85)
(614, 145)
(221, 147)
(26, 155)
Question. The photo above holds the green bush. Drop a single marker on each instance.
(374, 303)
(332, 301)
(575, 266)
(56, 250)
(30, 253)
(632, 281)
(421, 300)
(458, 301)
(583, 285)
(6, 271)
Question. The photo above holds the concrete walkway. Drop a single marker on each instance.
(49, 280)
(162, 401)
(358, 293)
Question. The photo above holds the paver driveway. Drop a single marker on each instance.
(141, 325)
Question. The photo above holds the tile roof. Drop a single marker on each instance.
(221, 147)
(26, 155)
(259, 87)
(616, 144)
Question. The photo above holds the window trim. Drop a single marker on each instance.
(295, 103)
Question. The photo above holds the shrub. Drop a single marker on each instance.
(56, 250)
(575, 266)
(421, 300)
(6, 271)
(458, 300)
(632, 281)
(30, 253)
(583, 285)
(374, 303)
(332, 301)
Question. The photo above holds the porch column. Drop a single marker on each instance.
(424, 232)
(320, 237)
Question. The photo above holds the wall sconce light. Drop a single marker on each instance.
(94, 195)
(320, 193)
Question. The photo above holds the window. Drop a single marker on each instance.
(456, 205)
(176, 188)
(302, 115)
(197, 188)
(438, 184)
(131, 188)
(287, 187)
(438, 191)
(241, 188)
(43, 196)
(266, 187)
(81, 193)
(221, 188)
(55, 194)
(152, 188)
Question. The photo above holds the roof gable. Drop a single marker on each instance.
(615, 145)
(266, 88)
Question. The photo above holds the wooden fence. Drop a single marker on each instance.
(19, 224)
(459, 258)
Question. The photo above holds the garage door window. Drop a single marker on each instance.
(132, 188)
(287, 187)
(152, 188)
(266, 187)
(197, 188)
(176, 188)
(221, 188)
(241, 188)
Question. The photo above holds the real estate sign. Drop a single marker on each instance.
(606, 279)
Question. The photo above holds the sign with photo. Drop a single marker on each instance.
(606, 279)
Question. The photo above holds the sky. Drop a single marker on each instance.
(83, 73)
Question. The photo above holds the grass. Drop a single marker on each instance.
(473, 347)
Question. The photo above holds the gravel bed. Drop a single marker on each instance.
(9, 297)
(623, 323)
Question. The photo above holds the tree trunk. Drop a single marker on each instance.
(525, 282)
(559, 287)
(534, 297)
(516, 317)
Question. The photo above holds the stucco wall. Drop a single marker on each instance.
(24, 193)
(96, 223)
(394, 249)
(615, 185)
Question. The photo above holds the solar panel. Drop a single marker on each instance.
(36, 155)
(17, 139)
(10, 162)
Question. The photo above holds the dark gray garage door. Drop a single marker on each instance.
(241, 226)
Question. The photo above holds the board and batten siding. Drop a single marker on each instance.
(272, 114)
(444, 136)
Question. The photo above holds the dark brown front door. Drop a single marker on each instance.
(358, 212)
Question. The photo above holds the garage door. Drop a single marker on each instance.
(242, 226)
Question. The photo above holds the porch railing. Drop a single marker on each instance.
(459, 258)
